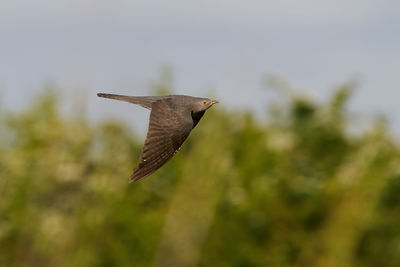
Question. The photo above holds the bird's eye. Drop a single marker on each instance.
(204, 102)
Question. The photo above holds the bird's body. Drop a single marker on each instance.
(172, 118)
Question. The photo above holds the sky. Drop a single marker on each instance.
(224, 48)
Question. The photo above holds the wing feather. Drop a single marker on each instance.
(169, 127)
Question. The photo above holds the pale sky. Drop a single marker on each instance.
(221, 46)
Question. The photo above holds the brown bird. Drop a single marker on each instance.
(172, 118)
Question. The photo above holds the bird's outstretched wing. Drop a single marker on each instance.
(168, 129)
(144, 101)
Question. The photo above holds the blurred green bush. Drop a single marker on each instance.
(296, 189)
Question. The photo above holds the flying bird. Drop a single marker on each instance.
(172, 118)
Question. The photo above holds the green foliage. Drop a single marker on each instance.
(295, 190)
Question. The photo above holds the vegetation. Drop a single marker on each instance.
(296, 189)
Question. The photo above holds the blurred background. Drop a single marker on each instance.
(297, 166)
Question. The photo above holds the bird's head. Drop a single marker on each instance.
(202, 104)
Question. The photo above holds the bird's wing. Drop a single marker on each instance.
(168, 129)
(144, 101)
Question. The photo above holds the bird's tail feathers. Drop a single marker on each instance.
(116, 97)
(144, 101)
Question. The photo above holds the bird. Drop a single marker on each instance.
(172, 118)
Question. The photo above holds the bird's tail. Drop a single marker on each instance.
(144, 101)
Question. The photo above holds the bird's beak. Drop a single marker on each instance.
(213, 102)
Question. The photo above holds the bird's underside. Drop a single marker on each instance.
(170, 124)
